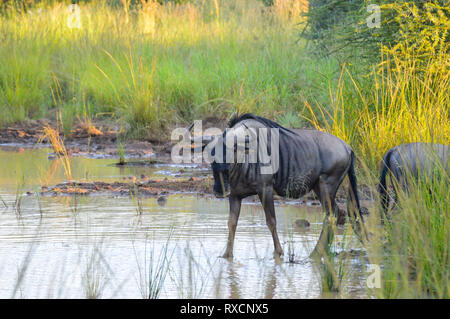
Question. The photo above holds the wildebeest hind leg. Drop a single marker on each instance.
(326, 191)
(235, 210)
(266, 197)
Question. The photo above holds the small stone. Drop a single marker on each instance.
(302, 223)
(313, 203)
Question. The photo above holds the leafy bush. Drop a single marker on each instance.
(341, 26)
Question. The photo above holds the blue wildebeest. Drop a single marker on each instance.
(306, 160)
(413, 160)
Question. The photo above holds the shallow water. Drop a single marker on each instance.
(103, 246)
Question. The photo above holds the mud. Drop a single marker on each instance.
(148, 188)
(200, 186)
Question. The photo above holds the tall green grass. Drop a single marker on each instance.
(396, 103)
(151, 65)
(414, 246)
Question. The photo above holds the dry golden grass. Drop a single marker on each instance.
(59, 148)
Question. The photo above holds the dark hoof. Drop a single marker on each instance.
(341, 216)
(227, 256)
(278, 252)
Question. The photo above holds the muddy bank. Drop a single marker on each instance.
(98, 138)
(156, 187)
(132, 188)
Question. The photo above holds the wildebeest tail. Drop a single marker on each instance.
(355, 213)
(353, 189)
(382, 189)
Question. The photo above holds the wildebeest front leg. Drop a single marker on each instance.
(266, 197)
(235, 209)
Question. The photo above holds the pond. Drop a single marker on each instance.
(112, 247)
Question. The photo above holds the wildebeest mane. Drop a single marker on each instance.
(249, 116)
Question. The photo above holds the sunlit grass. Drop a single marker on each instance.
(413, 247)
(152, 65)
(397, 104)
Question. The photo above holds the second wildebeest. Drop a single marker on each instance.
(413, 160)
(308, 160)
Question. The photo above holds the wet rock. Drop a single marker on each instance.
(313, 203)
(302, 223)
(162, 200)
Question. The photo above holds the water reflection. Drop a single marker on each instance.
(77, 247)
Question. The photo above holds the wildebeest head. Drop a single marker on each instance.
(219, 165)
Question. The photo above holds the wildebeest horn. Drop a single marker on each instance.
(205, 139)
(202, 139)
